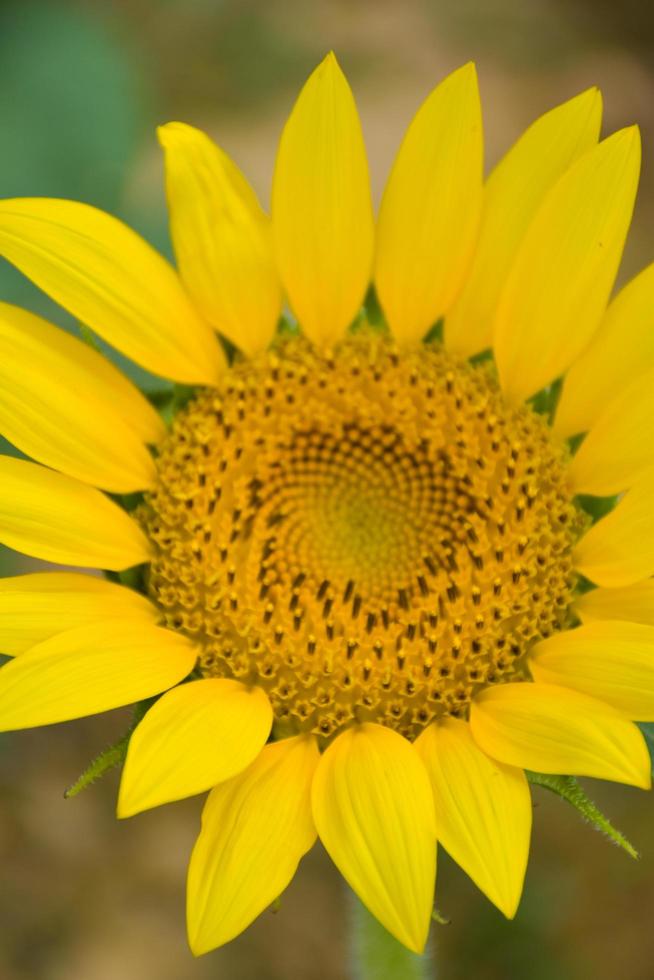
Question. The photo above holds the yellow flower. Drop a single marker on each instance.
(373, 597)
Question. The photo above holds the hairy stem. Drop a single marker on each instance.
(376, 955)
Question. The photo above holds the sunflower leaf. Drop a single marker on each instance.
(112, 756)
(569, 790)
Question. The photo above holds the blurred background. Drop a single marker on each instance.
(82, 87)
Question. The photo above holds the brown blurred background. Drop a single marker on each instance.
(82, 85)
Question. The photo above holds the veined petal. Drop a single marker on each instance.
(611, 660)
(564, 270)
(37, 606)
(56, 518)
(622, 348)
(483, 811)
(91, 669)
(221, 237)
(255, 829)
(27, 337)
(618, 448)
(619, 549)
(512, 195)
(429, 216)
(321, 208)
(55, 407)
(195, 736)
(374, 811)
(633, 603)
(113, 281)
(554, 729)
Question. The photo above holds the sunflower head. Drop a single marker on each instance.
(386, 559)
(366, 534)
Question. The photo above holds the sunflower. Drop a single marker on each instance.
(360, 561)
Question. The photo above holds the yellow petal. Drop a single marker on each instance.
(611, 660)
(321, 207)
(633, 603)
(618, 448)
(429, 215)
(109, 383)
(255, 829)
(91, 669)
(221, 237)
(195, 736)
(37, 606)
(113, 281)
(51, 516)
(512, 195)
(564, 270)
(619, 549)
(55, 407)
(622, 348)
(374, 811)
(483, 811)
(554, 729)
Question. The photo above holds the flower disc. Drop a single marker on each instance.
(367, 535)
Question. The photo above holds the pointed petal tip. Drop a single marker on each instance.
(591, 97)
(201, 944)
(590, 93)
(166, 132)
(329, 66)
(416, 946)
(196, 944)
(466, 76)
(469, 69)
(509, 911)
(627, 138)
(124, 807)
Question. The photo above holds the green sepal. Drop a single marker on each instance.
(182, 395)
(169, 400)
(596, 507)
(372, 311)
(484, 357)
(159, 398)
(545, 401)
(569, 790)
(112, 756)
(89, 337)
(133, 578)
(287, 327)
(435, 333)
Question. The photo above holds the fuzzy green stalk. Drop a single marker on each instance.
(375, 955)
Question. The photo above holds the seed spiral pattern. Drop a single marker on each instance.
(369, 535)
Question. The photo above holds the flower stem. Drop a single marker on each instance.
(376, 955)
